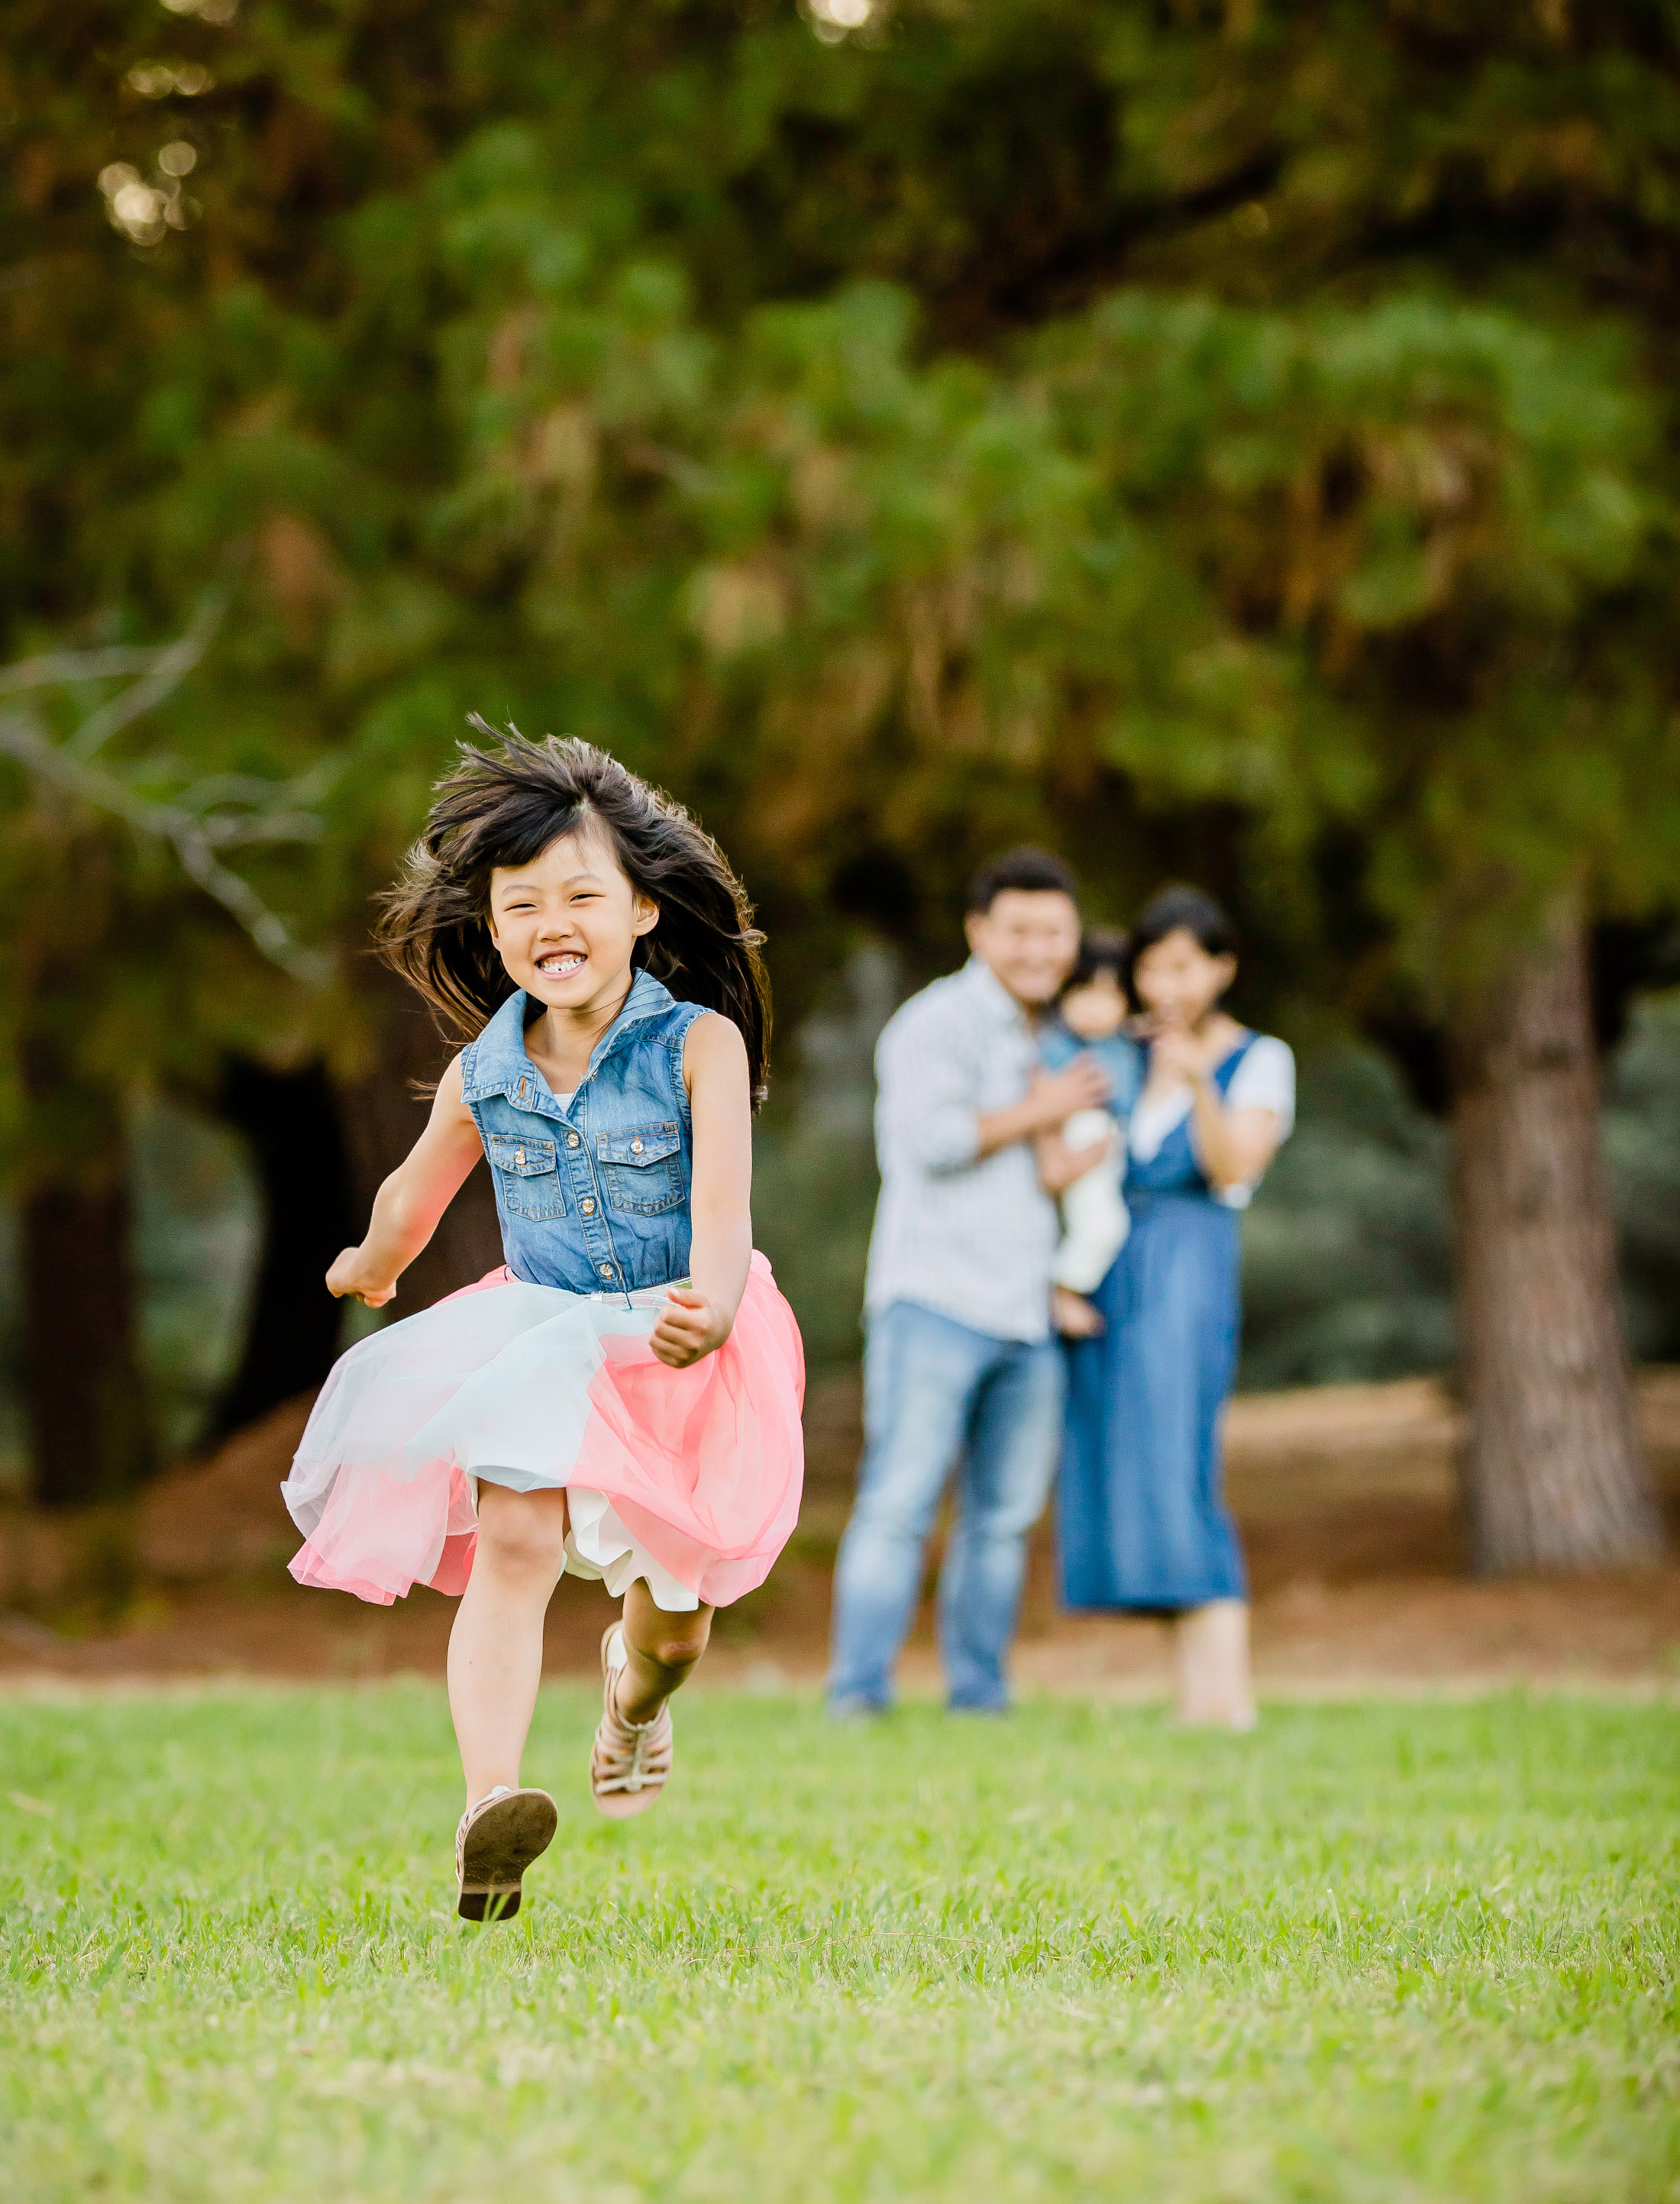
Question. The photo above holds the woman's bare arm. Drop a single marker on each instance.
(696, 1319)
(408, 1206)
(1234, 1146)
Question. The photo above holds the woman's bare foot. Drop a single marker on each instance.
(1215, 1684)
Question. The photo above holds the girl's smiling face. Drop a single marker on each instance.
(565, 924)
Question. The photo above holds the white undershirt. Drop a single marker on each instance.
(1265, 1080)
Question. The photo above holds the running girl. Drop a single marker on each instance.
(623, 1398)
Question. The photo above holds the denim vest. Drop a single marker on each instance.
(1172, 1169)
(593, 1198)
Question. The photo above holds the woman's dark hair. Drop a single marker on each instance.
(1102, 949)
(1034, 871)
(504, 806)
(1173, 910)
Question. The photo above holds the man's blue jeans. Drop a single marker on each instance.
(933, 1390)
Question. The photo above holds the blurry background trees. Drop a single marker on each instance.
(1232, 442)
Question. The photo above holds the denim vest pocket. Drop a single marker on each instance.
(641, 1168)
(528, 1181)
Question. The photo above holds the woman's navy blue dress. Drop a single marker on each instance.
(1143, 1519)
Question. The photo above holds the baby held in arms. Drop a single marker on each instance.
(1086, 1165)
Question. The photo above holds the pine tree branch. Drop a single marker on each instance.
(169, 666)
(60, 669)
(187, 835)
(195, 824)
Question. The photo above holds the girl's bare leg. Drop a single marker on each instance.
(662, 1650)
(495, 1648)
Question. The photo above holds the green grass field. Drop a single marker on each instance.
(1381, 1951)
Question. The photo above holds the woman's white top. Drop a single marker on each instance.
(1265, 1080)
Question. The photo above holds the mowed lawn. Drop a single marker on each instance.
(1402, 1951)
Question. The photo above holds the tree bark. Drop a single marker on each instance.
(383, 1116)
(290, 1120)
(89, 1432)
(89, 1421)
(1552, 1473)
(90, 1428)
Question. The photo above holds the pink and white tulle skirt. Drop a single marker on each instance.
(688, 1477)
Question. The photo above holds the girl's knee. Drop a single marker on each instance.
(673, 1641)
(681, 1649)
(523, 1535)
(679, 1640)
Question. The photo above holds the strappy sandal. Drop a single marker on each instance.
(498, 1840)
(630, 1761)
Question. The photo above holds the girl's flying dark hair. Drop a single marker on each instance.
(1176, 908)
(504, 806)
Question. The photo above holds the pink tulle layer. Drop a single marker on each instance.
(527, 1386)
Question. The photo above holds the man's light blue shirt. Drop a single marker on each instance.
(970, 1236)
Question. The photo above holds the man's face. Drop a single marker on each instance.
(1031, 938)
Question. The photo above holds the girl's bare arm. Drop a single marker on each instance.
(408, 1206)
(695, 1320)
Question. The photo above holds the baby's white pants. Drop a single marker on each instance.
(1094, 1218)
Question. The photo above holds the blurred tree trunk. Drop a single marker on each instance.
(383, 1116)
(88, 1419)
(290, 1119)
(1552, 1473)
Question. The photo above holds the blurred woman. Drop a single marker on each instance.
(1144, 1528)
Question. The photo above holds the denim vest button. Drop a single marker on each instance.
(555, 1198)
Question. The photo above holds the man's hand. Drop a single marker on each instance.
(1056, 1095)
(353, 1277)
(1050, 1100)
(687, 1328)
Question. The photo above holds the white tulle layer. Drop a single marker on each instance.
(597, 1545)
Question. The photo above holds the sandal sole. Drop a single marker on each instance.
(499, 1846)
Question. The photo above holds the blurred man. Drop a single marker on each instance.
(960, 1359)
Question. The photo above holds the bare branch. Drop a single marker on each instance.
(236, 830)
(63, 669)
(204, 795)
(196, 823)
(169, 668)
(189, 837)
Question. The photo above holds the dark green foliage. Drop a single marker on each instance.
(1348, 1252)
